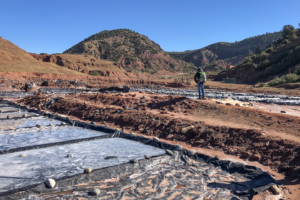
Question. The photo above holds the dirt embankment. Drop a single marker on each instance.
(171, 118)
(17, 80)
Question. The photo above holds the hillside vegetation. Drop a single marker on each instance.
(14, 59)
(129, 49)
(276, 64)
(227, 53)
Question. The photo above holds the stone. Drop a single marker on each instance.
(179, 147)
(24, 115)
(156, 139)
(217, 157)
(184, 130)
(132, 133)
(50, 183)
(22, 155)
(107, 126)
(147, 157)
(95, 192)
(88, 170)
(110, 157)
(63, 123)
(245, 155)
(282, 111)
(197, 122)
(169, 136)
(255, 157)
(51, 124)
(275, 190)
(38, 126)
(70, 156)
(134, 161)
(9, 117)
(94, 123)
(191, 152)
(169, 152)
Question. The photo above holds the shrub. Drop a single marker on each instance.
(285, 41)
(270, 49)
(297, 71)
(95, 73)
(276, 81)
(259, 84)
(289, 78)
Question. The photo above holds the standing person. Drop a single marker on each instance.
(200, 79)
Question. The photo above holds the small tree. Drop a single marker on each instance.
(257, 50)
(250, 53)
(289, 32)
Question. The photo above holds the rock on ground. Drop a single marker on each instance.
(50, 183)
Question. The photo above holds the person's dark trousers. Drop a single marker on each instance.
(201, 89)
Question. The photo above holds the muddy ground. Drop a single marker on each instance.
(256, 137)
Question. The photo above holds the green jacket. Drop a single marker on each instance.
(200, 77)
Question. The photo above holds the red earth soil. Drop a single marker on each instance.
(228, 131)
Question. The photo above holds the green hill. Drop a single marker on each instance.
(129, 49)
(276, 64)
(228, 53)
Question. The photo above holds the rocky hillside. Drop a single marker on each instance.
(88, 65)
(129, 49)
(231, 53)
(282, 59)
(14, 59)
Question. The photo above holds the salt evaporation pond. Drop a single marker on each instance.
(15, 139)
(40, 164)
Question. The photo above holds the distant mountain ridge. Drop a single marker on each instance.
(276, 64)
(231, 53)
(129, 49)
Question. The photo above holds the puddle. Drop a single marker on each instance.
(40, 164)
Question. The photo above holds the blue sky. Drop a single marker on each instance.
(52, 26)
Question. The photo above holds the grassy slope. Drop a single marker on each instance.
(14, 59)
